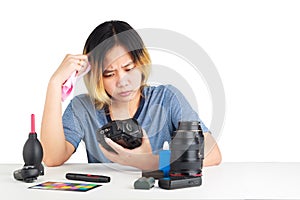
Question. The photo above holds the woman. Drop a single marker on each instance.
(117, 89)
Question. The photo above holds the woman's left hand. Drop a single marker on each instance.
(140, 157)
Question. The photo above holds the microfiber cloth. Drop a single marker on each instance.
(68, 86)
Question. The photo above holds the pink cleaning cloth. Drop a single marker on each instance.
(67, 87)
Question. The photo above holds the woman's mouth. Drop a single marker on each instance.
(125, 94)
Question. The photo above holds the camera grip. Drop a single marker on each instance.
(101, 140)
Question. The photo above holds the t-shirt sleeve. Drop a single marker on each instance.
(182, 110)
(71, 126)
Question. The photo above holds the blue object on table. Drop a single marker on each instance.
(164, 159)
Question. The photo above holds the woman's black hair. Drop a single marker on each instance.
(112, 33)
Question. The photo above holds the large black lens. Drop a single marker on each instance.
(187, 149)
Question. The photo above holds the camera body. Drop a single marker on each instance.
(27, 174)
(126, 133)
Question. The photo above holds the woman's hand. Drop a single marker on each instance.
(140, 157)
(70, 64)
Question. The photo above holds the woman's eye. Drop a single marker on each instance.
(108, 75)
(129, 68)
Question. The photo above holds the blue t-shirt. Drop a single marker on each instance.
(160, 110)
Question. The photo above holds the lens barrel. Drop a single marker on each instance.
(187, 149)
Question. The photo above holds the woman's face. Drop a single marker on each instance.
(121, 77)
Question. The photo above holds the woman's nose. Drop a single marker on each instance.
(122, 79)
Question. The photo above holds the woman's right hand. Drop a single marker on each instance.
(70, 64)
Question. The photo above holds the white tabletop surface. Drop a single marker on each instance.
(226, 181)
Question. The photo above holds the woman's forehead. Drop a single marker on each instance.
(117, 56)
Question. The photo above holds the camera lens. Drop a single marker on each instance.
(189, 126)
(187, 149)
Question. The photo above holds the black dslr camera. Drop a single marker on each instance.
(27, 174)
(126, 133)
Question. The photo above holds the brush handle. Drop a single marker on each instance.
(32, 124)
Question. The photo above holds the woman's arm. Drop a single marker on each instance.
(143, 158)
(56, 149)
(212, 154)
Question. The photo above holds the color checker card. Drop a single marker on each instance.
(65, 186)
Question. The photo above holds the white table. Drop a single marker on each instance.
(226, 181)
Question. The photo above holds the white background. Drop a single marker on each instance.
(254, 45)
